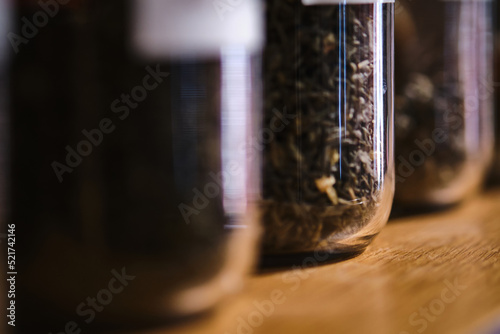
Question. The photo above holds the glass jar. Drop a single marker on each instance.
(131, 189)
(443, 101)
(496, 166)
(328, 161)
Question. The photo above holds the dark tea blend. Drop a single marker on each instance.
(327, 174)
(443, 100)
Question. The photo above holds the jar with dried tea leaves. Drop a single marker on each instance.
(130, 180)
(443, 100)
(328, 165)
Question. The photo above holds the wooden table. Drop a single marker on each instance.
(435, 273)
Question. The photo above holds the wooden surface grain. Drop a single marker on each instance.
(435, 273)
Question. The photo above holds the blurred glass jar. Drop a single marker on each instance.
(328, 170)
(131, 187)
(443, 100)
(496, 166)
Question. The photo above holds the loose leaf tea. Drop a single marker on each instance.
(321, 184)
(442, 100)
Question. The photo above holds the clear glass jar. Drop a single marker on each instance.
(443, 101)
(328, 168)
(130, 181)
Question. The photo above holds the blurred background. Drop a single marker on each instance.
(228, 166)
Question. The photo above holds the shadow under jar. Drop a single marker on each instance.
(119, 152)
(443, 101)
(328, 161)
